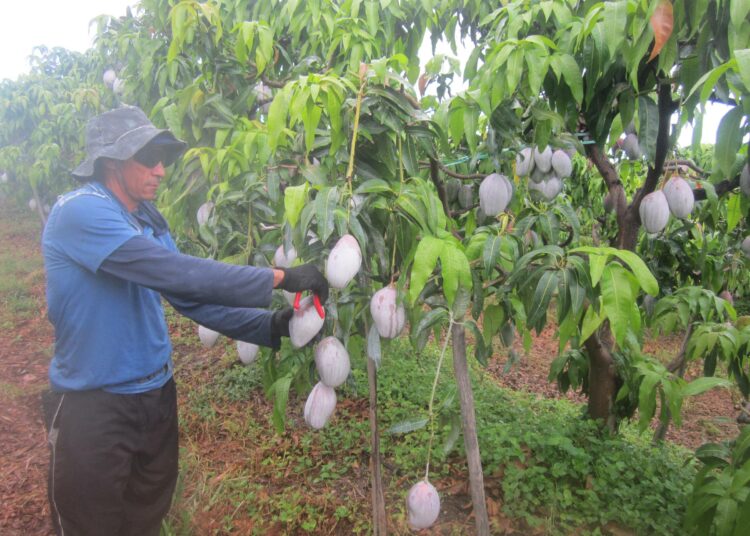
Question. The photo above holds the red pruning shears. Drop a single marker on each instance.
(316, 302)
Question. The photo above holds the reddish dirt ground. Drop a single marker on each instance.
(26, 349)
(708, 417)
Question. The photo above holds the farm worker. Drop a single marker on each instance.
(109, 259)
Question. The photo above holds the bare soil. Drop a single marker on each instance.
(26, 348)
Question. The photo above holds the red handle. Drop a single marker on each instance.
(316, 302)
(318, 306)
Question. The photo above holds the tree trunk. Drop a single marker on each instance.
(678, 365)
(603, 378)
(379, 525)
(39, 206)
(471, 444)
(602, 381)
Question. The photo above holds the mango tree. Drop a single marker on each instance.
(43, 116)
(597, 70)
(306, 124)
(336, 151)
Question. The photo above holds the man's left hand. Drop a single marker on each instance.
(280, 322)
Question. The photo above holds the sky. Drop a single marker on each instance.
(25, 24)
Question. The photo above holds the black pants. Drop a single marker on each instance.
(113, 461)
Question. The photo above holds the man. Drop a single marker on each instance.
(109, 260)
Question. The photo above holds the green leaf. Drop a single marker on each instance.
(536, 69)
(617, 300)
(572, 74)
(614, 19)
(708, 81)
(280, 389)
(713, 453)
(456, 123)
(566, 330)
(481, 351)
(294, 202)
(173, 118)
(310, 118)
(490, 254)
(409, 157)
(563, 296)
(430, 319)
(425, 260)
(456, 271)
(476, 245)
(738, 11)
(334, 114)
(356, 229)
(726, 513)
(514, 68)
(414, 209)
(461, 302)
(728, 140)
(407, 426)
(734, 211)
(325, 204)
(277, 115)
(373, 186)
(470, 126)
(643, 275)
(545, 289)
(591, 322)
(743, 60)
(264, 51)
(648, 115)
(703, 384)
(493, 319)
(597, 263)
(373, 346)
(647, 399)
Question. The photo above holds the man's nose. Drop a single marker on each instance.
(158, 170)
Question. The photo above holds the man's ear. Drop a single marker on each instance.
(109, 164)
(109, 167)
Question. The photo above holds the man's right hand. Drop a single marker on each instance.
(305, 277)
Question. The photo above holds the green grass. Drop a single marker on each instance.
(18, 274)
(547, 466)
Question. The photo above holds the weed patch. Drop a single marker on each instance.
(546, 467)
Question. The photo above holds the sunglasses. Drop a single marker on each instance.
(151, 156)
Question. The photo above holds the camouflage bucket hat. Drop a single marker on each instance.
(119, 134)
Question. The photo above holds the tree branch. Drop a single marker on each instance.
(611, 179)
(666, 108)
(444, 169)
(677, 163)
(722, 188)
(454, 213)
(439, 186)
(278, 84)
(676, 365)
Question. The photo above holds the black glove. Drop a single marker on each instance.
(305, 277)
(280, 322)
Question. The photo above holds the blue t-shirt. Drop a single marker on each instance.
(110, 333)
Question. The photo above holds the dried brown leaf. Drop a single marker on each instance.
(662, 22)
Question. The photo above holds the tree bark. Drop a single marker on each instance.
(439, 185)
(678, 365)
(39, 206)
(379, 523)
(602, 381)
(468, 419)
